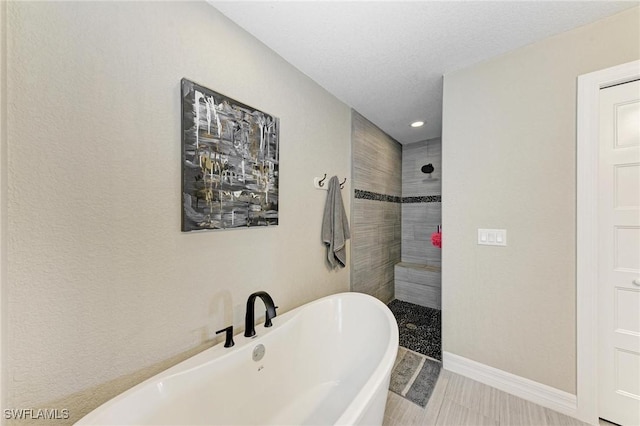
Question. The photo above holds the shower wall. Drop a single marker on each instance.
(418, 276)
(421, 206)
(375, 209)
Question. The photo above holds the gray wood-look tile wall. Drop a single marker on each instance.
(420, 220)
(377, 158)
(414, 156)
(375, 225)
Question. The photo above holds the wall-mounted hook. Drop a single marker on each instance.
(319, 183)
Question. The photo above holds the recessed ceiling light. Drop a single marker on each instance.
(417, 124)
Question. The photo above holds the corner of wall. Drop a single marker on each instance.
(3, 193)
(375, 214)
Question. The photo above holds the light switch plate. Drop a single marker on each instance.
(492, 237)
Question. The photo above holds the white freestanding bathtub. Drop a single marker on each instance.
(327, 362)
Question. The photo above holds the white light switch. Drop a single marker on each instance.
(492, 237)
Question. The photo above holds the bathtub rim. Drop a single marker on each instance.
(379, 380)
(352, 413)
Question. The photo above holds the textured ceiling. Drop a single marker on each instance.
(386, 59)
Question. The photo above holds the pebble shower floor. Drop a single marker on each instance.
(419, 327)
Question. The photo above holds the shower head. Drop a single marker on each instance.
(428, 168)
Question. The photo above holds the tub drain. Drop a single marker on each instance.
(411, 326)
(258, 352)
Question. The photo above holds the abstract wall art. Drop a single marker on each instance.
(230, 164)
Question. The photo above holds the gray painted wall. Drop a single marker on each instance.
(103, 288)
(510, 152)
(375, 223)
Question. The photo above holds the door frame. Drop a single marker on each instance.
(588, 135)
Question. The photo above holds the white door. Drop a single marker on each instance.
(619, 255)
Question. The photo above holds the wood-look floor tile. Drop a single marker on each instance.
(558, 419)
(437, 397)
(389, 421)
(453, 414)
(457, 400)
(475, 396)
(516, 411)
(400, 411)
(413, 415)
(394, 406)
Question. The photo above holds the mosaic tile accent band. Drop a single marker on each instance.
(368, 195)
(425, 199)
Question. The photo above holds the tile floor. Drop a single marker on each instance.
(460, 401)
(419, 328)
(457, 400)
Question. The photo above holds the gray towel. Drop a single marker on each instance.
(335, 227)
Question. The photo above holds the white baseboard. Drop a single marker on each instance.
(546, 396)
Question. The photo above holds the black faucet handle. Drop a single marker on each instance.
(228, 341)
(268, 316)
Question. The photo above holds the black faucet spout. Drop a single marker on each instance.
(249, 318)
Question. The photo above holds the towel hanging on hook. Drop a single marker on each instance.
(335, 226)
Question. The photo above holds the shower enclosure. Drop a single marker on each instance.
(417, 276)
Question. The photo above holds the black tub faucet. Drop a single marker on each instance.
(249, 318)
